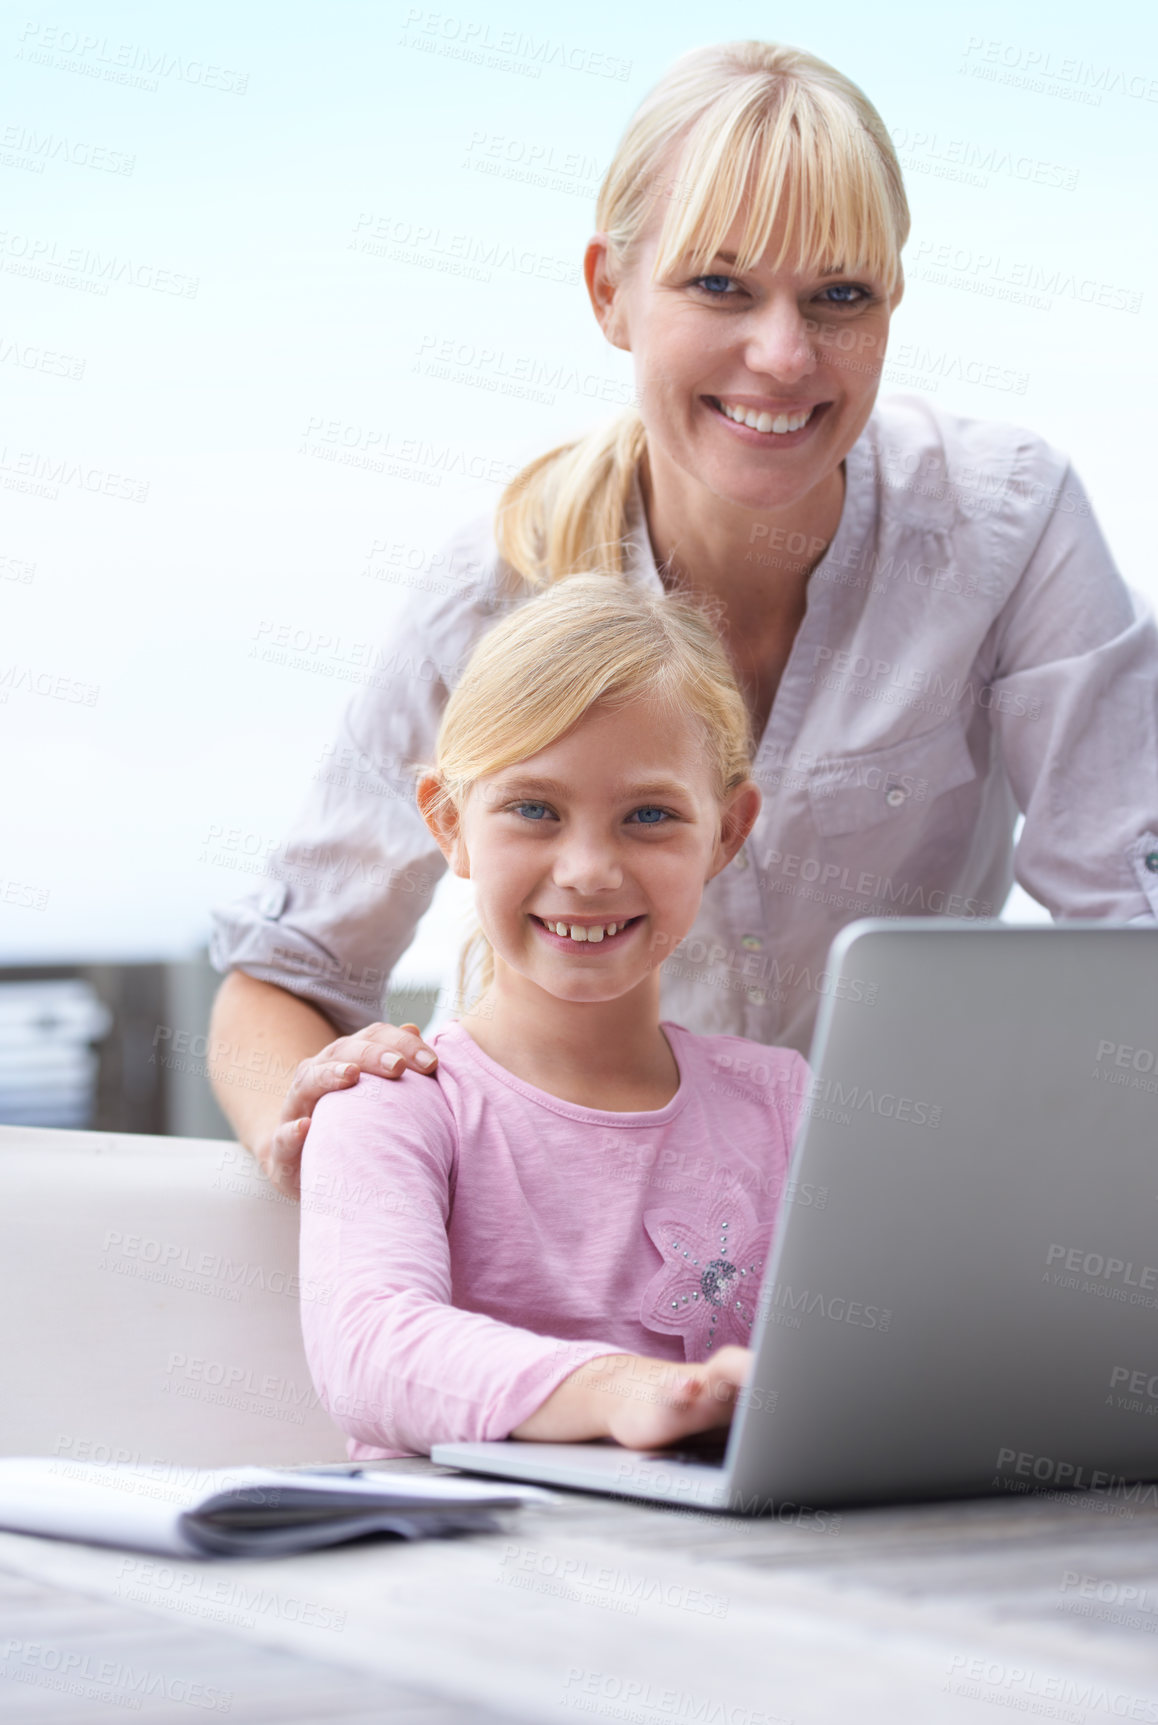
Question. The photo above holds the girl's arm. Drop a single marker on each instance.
(640, 1402)
(396, 1364)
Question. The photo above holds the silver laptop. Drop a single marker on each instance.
(962, 1294)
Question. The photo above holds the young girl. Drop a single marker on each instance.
(585, 1195)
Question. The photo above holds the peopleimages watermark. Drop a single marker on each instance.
(224, 1383)
(1056, 1471)
(17, 679)
(782, 1304)
(969, 162)
(29, 356)
(1048, 1695)
(1030, 66)
(24, 147)
(1115, 1275)
(47, 259)
(1120, 1063)
(533, 163)
(896, 682)
(129, 63)
(110, 1682)
(40, 475)
(1022, 281)
(377, 450)
(1134, 1389)
(794, 875)
(479, 43)
(302, 648)
(459, 253)
(605, 1586)
(173, 1264)
(641, 1702)
(206, 1593)
(22, 895)
(1127, 1603)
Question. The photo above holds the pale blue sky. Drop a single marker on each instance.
(364, 119)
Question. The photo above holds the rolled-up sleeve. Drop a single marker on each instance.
(1074, 704)
(340, 900)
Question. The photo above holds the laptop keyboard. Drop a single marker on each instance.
(713, 1457)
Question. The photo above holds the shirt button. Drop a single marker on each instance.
(1152, 861)
(740, 860)
(757, 996)
(896, 796)
(272, 901)
(752, 942)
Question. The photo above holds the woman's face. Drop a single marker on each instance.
(607, 835)
(796, 356)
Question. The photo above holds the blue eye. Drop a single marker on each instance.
(850, 293)
(650, 817)
(716, 286)
(532, 811)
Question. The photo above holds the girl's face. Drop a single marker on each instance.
(798, 353)
(607, 835)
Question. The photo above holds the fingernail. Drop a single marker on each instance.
(425, 1060)
(392, 1064)
(347, 1071)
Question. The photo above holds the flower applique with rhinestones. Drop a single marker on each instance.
(713, 1261)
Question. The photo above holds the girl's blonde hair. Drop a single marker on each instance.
(739, 126)
(590, 639)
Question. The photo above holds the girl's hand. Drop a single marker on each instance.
(674, 1401)
(383, 1050)
(640, 1402)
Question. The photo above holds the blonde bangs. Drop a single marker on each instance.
(740, 130)
(590, 639)
(807, 159)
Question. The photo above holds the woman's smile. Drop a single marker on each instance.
(765, 424)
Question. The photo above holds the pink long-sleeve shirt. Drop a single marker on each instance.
(469, 1241)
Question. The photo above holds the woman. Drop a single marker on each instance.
(930, 630)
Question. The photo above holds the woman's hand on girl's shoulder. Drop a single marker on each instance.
(382, 1050)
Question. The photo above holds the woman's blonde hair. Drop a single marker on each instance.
(742, 126)
(591, 639)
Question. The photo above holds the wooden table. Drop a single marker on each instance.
(592, 1608)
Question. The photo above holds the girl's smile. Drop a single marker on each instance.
(583, 935)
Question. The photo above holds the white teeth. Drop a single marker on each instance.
(575, 931)
(777, 425)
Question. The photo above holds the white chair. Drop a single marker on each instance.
(149, 1305)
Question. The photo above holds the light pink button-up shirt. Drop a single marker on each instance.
(969, 650)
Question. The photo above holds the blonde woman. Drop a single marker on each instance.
(930, 630)
(500, 1256)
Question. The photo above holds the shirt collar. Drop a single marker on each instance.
(859, 469)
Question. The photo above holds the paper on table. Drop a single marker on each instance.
(246, 1511)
